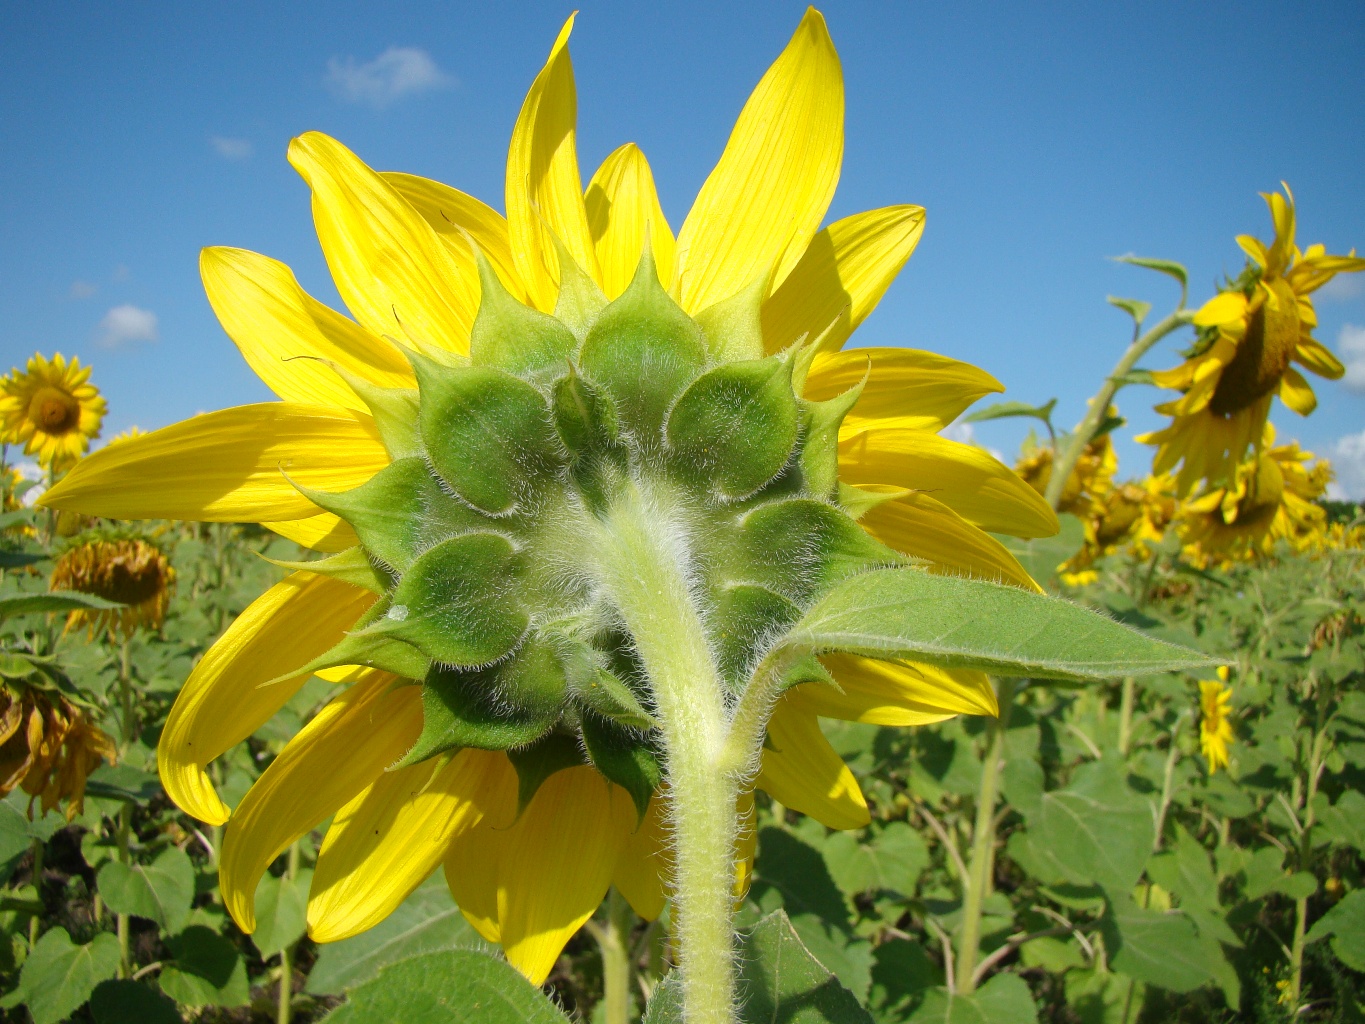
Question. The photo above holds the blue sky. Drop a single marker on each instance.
(1041, 139)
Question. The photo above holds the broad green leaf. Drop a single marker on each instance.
(426, 921)
(1185, 870)
(1009, 410)
(890, 858)
(1004, 999)
(1168, 267)
(901, 975)
(59, 975)
(1265, 874)
(131, 1002)
(53, 601)
(1345, 922)
(452, 986)
(1157, 947)
(17, 833)
(1135, 308)
(1343, 822)
(281, 912)
(123, 782)
(781, 981)
(208, 970)
(160, 891)
(964, 623)
(1095, 831)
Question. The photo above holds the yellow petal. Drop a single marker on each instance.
(645, 862)
(1296, 392)
(473, 858)
(918, 525)
(802, 771)
(557, 864)
(226, 466)
(848, 266)
(976, 486)
(544, 190)
(341, 751)
(918, 390)
(450, 213)
(390, 837)
(395, 275)
(623, 210)
(1313, 355)
(274, 321)
(323, 532)
(1222, 308)
(223, 701)
(746, 844)
(896, 693)
(765, 199)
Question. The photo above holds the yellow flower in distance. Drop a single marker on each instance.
(1249, 334)
(52, 409)
(1091, 478)
(401, 249)
(1215, 731)
(128, 569)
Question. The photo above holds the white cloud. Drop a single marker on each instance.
(124, 325)
(963, 432)
(1351, 345)
(1343, 287)
(231, 149)
(81, 290)
(398, 71)
(1348, 459)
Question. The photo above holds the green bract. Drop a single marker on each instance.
(479, 537)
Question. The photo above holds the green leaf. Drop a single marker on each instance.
(1186, 871)
(1041, 556)
(1137, 375)
(1167, 267)
(350, 566)
(281, 912)
(580, 300)
(1265, 875)
(1345, 922)
(1157, 947)
(733, 326)
(59, 976)
(513, 337)
(1007, 410)
(160, 891)
(20, 559)
(820, 422)
(584, 418)
(890, 859)
(624, 758)
(736, 425)
(750, 615)
(426, 921)
(1343, 822)
(17, 834)
(394, 411)
(52, 601)
(488, 434)
(1003, 999)
(458, 603)
(540, 760)
(902, 973)
(781, 981)
(208, 970)
(1135, 308)
(131, 1002)
(666, 1005)
(453, 986)
(962, 623)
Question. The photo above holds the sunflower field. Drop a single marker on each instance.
(589, 633)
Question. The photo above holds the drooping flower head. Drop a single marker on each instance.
(1091, 478)
(117, 566)
(52, 409)
(48, 747)
(515, 397)
(1215, 730)
(1250, 334)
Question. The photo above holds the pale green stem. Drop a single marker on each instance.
(1167, 781)
(1126, 715)
(125, 826)
(1310, 790)
(643, 570)
(284, 1007)
(39, 848)
(982, 867)
(125, 685)
(1099, 405)
(613, 941)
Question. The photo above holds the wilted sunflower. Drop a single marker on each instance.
(1249, 334)
(1273, 499)
(52, 409)
(1091, 478)
(48, 747)
(117, 566)
(1118, 516)
(1215, 731)
(595, 319)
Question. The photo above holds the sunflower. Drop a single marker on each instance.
(117, 566)
(1273, 499)
(48, 747)
(1215, 731)
(1249, 334)
(52, 409)
(1090, 479)
(1118, 514)
(587, 293)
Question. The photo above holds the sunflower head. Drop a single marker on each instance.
(48, 746)
(1249, 336)
(1089, 480)
(52, 409)
(117, 566)
(1215, 730)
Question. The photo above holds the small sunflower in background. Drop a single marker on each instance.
(1215, 731)
(48, 747)
(1116, 518)
(52, 409)
(1091, 478)
(117, 566)
(1249, 334)
(1272, 498)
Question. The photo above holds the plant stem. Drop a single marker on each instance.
(643, 570)
(1172, 755)
(1126, 715)
(982, 867)
(125, 827)
(125, 685)
(613, 941)
(1310, 789)
(1099, 405)
(285, 1004)
(39, 848)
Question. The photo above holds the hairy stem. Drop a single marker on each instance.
(1126, 715)
(982, 866)
(613, 942)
